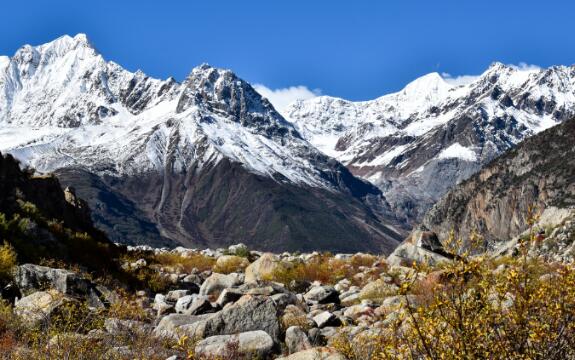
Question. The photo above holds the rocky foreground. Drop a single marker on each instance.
(240, 304)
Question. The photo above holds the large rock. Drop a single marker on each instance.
(296, 339)
(37, 308)
(321, 353)
(378, 290)
(326, 319)
(247, 345)
(249, 313)
(31, 278)
(322, 295)
(263, 268)
(174, 326)
(214, 284)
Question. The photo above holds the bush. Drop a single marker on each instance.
(185, 264)
(523, 310)
(7, 261)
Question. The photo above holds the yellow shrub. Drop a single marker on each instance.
(7, 261)
(185, 263)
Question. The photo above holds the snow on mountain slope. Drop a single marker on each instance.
(184, 161)
(419, 142)
(78, 109)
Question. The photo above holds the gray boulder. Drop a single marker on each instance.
(322, 295)
(296, 340)
(321, 353)
(326, 319)
(37, 308)
(216, 283)
(247, 345)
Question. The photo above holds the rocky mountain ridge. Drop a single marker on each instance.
(418, 143)
(163, 162)
(495, 202)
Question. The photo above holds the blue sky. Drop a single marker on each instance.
(353, 49)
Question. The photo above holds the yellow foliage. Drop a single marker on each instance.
(7, 261)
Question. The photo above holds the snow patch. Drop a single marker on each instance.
(458, 151)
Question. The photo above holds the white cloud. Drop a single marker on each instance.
(281, 98)
(525, 67)
(459, 80)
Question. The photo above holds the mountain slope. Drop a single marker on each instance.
(207, 161)
(42, 221)
(417, 143)
(494, 202)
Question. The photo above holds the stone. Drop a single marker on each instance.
(184, 303)
(321, 353)
(284, 299)
(322, 295)
(378, 290)
(326, 319)
(173, 326)
(30, 278)
(263, 268)
(216, 282)
(229, 296)
(174, 295)
(247, 345)
(192, 279)
(201, 305)
(355, 311)
(249, 313)
(37, 308)
(161, 306)
(296, 340)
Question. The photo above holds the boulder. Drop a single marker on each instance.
(249, 313)
(326, 319)
(263, 268)
(201, 305)
(30, 278)
(161, 306)
(247, 345)
(321, 353)
(174, 326)
(37, 308)
(214, 284)
(174, 295)
(184, 303)
(229, 296)
(322, 295)
(296, 340)
(378, 290)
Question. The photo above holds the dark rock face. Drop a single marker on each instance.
(53, 224)
(225, 203)
(495, 201)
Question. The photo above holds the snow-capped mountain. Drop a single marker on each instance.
(205, 161)
(419, 142)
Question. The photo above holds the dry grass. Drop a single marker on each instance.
(184, 264)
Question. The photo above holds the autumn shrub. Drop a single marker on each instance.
(476, 309)
(184, 263)
(329, 270)
(7, 261)
(231, 265)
